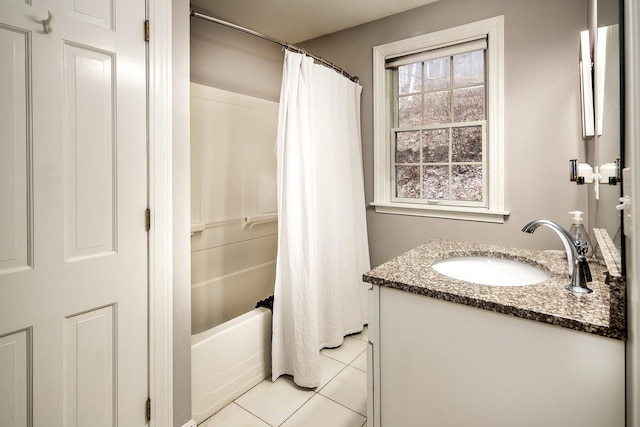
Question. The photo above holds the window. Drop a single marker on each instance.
(438, 131)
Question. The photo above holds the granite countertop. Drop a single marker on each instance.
(601, 312)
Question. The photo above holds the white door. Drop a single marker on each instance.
(73, 192)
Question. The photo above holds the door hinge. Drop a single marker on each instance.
(147, 31)
(147, 219)
(148, 409)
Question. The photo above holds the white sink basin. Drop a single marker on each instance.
(486, 270)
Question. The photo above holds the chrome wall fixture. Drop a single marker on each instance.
(583, 173)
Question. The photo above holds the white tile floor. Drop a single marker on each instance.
(339, 401)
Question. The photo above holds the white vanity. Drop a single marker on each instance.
(444, 352)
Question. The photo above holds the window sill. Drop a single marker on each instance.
(446, 212)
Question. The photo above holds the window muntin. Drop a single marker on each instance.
(488, 33)
(439, 134)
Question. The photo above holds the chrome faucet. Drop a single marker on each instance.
(578, 265)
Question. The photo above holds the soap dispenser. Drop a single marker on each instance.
(578, 232)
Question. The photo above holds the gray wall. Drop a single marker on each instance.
(228, 59)
(542, 111)
(542, 116)
(181, 214)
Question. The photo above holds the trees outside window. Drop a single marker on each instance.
(438, 111)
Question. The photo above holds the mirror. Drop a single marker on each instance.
(607, 144)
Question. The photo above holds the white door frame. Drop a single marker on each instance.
(632, 109)
(160, 203)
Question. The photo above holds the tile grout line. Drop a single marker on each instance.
(301, 406)
(252, 414)
(346, 407)
(249, 412)
(332, 378)
(326, 397)
(341, 404)
(346, 363)
(235, 401)
(315, 391)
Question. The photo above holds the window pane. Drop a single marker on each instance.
(468, 68)
(437, 74)
(408, 182)
(410, 110)
(410, 78)
(437, 108)
(408, 147)
(466, 182)
(435, 182)
(435, 146)
(467, 144)
(468, 104)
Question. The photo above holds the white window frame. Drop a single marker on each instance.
(383, 101)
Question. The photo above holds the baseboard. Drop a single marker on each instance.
(190, 423)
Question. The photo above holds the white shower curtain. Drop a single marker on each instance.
(322, 238)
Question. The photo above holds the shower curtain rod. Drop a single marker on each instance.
(285, 45)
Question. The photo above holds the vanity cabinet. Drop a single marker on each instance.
(439, 363)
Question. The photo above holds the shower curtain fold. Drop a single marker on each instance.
(323, 250)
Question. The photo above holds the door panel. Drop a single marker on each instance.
(14, 371)
(89, 375)
(99, 13)
(76, 282)
(89, 147)
(13, 149)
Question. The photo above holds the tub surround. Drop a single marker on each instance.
(601, 312)
(234, 235)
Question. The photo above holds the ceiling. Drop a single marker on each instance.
(294, 21)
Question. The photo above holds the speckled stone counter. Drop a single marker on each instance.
(601, 312)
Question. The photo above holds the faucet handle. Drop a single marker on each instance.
(587, 270)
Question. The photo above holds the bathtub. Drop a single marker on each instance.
(233, 245)
(229, 359)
